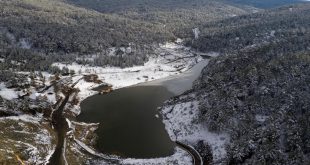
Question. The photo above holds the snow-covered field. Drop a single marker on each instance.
(180, 83)
(158, 66)
(6, 93)
(27, 138)
(12, 93)
(182, 123)
(167, 62)
(180, 157)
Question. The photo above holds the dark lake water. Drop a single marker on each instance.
(128, 123)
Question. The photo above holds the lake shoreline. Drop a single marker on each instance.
(87, 92)
(188, 75)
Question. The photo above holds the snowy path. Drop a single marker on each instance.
(197, 159)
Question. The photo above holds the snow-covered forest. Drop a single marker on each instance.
(250, 104)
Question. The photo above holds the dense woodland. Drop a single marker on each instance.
(54, 30)
(179, 17)
(282, 25)
(257, 90)
(260, 95)
(51, 31)
(263, 102)
(55, 26)
(264, 3)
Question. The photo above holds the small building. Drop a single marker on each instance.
(106, 90)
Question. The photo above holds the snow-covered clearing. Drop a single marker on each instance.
(30, 140)
(261, 118)
(169, 60)
(23, 118)
(180, 83)
(88, 149)
(180, 157)
(32, 91)
(168, 63)
(182, 123)
(160, 70)
(7, 93)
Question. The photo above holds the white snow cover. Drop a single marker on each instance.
(88, 149)
(261, 118)
(23, 43)
(49, 94)
(7, 93)
(180, 83)
(10, 94)
(50, 154)
(24, 118)
(196, 32)
(85, 88)
(181, 122)
(128, 76)
(180, 157)
(156, 68)
(39, 151)
(43, 137)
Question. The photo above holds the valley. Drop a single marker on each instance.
(72, 90)
(147, 82)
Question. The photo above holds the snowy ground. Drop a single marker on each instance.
(6, 93)
(25, 139)
(163, 65)
(180, 157)
(182, 123)
(156, 68)
(169, 61)
(180, 83)
(13, 93)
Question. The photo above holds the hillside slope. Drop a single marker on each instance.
(56, 26)
(177, 16)
(258, 95)
(285, 24)
(265, 3)
(40, 32)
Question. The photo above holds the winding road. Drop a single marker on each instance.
(197, 159)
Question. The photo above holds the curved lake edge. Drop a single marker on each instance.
(176, 84)
(179, 83)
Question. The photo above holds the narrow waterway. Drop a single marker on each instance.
(130, 125)
(61, 127)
